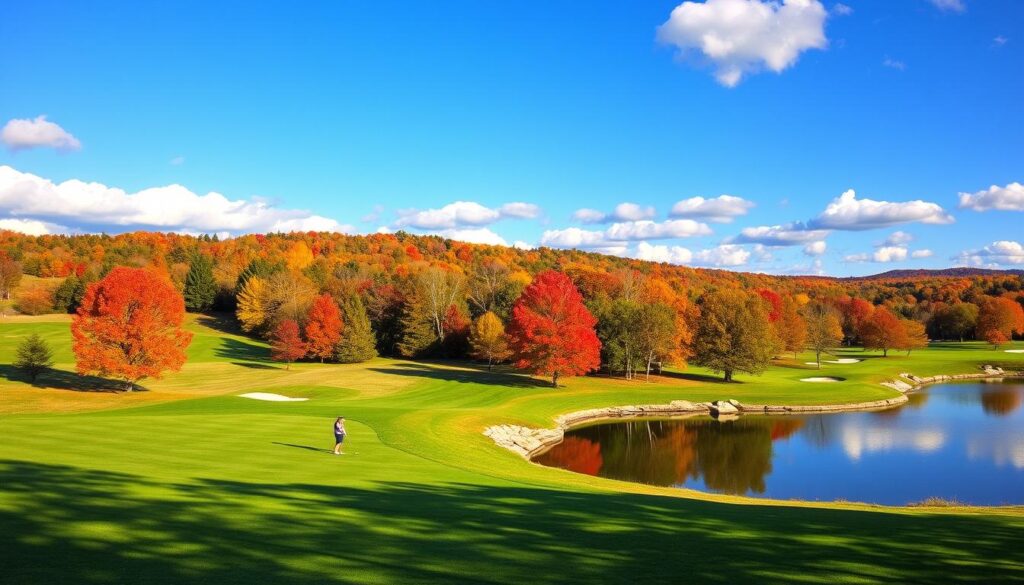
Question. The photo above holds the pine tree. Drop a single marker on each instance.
(419, 333)
(200, 287)
(357, 343)
(64, 296)
(34, 356)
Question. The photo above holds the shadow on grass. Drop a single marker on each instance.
(306, 447)
(92, 526)
(239, 350)
(257, 366)
(64, 380)
(462, 372)
(222, 322)
(693, 377)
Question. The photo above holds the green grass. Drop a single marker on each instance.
(187, 482)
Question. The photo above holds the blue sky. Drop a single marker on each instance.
(363, 116)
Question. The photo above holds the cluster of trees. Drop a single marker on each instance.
(333, 297)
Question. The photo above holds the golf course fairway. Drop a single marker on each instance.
(186, 481)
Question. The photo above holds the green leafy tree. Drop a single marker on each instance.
(200, 286)
(69, 294)
(733, 334)
(357, 343)
(33, 356)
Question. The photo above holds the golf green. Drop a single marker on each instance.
(188, 482)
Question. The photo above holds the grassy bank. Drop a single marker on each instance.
(186, 481)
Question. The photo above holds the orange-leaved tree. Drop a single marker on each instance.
(286, 344)
(882, 330)
(128, 326)
(998, 319)
(323, 327)
(551, 332)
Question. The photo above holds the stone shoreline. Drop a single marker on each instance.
(528, 442)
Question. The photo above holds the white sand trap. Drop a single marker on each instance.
(271, 397)
(1014, 350)
(843, 361)
(820, 379)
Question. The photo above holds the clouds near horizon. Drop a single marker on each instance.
(38, 132)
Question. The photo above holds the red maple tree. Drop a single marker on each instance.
(999, 319)
(323, 327)
(551, 332)
(128, 326)
(286, 344)
(774, 301)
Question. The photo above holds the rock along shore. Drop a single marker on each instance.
(528, 442)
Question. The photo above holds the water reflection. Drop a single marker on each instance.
(938, 444)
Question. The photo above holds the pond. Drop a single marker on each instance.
(962, 442)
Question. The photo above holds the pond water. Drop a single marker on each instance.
(961, 442)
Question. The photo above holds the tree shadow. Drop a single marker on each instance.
(256, 366)
(103, 527)
(65, 380)
(238, 350)
(466, 373)
(694, 377)
(222, 322)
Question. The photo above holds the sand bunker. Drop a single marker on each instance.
(843, 361)
(1014, 351)
(820, 379)
(271, 397)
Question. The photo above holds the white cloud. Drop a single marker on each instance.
(592, 240)
(894, 64)
(461, 214)
(949, 5)
(661, 253)
(741, 37)
(841, 9)
(519, 210)
(473, 236)
(632, 212)
(1008, 198)
(925, 253)
(652, 230)
(724, 255)
(1000, 40)
(1001, 253)
(521, 245)
(177, 161)
(721, 209)
(846, 212)
(815, 248)
(587, 215)
(890, 254)
(171, 207)
(779, 235)
(856, 258)
(32, 227)
(898, 238)
(23, 133)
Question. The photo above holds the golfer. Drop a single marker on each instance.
(339, 434)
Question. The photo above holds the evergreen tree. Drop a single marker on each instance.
(357, 343)
(34, 356)
(419, 333)
(67, 296)
(200, 287)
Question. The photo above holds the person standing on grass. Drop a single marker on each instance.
(339, 434)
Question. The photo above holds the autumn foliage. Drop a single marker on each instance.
(323, 327)
(551, 332)
(129, 327)
(998, 319)
(286, 344)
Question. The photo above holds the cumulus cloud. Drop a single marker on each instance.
(723, 255)
(889, 254)
(1001, 253)
(593, 240)
(721, 209)
(815, 248)
(924, 253)
(461, 214)
(740, 37)
(846, 212)
(32, 227)
(171, 207)
(662, 253)
(898, 238)
(587, 215)
(1008, 198)
(791, 234)
(652, 230)
(24, 133)
(473, 236)
(949, 5)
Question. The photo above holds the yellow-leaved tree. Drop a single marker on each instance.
(487, 339)
(252, 308)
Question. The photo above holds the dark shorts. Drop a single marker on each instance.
(339, 439)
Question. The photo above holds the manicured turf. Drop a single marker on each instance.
(188, 482)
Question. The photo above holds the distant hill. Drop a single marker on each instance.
(960, 272)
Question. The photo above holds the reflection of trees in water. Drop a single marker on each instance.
(916, 400)
(819, 430)
(1001, 401)
(732, 457)
(575, 454)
